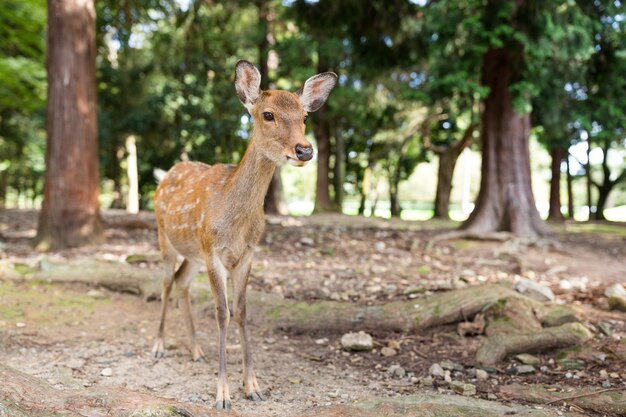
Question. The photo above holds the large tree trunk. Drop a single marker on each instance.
(505, 201)
(554, 212)
(70, 214)
(570, 191)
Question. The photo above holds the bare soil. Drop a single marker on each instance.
(68, 335)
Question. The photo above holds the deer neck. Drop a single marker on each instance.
(251, 179)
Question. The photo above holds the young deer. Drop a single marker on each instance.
(214, 214)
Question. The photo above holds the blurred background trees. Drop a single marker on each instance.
(534, 89)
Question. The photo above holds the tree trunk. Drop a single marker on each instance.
(274, 201)
(589, 179)
(603, 194)
(505, 201)
(4, 180)
(570, 191)
(132, 205)
(321, 130)
(70, 214)
(394, 201)
(554, 212)
(339, 171)
(448, 157)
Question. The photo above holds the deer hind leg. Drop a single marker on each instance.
(217, 279)
(240, 282)
(168, 255)
(184, 277)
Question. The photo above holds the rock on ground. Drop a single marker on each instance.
(356, 342)
(533, 290)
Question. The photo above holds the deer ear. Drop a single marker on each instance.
(316, 90)
(247, 83)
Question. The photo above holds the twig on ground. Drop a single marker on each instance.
(587, 394)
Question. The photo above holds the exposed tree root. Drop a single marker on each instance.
(610, 402)
(22, 395)
(296, 316)
(495, 348)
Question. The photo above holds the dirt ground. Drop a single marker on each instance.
(69, 334)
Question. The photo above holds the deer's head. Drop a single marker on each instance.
(280, 116)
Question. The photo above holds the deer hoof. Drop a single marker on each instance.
(158, 351)
(222, 405)
(255, 396)
(198, 354)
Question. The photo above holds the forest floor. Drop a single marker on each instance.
(68, 334)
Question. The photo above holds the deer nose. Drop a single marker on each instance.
(304, 153)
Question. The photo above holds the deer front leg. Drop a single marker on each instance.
(217, 279)
(240, 283)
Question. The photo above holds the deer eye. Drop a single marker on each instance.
(269, 116)
(306, 118)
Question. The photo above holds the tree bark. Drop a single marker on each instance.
(554, 212)
(448, 157)
(495, 348)
(589, 179)
(132, 205)
(322, 133)
(70, 214)
(4, 180)
(505, 200)
(339, 171)
(570, 191)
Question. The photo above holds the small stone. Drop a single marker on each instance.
(373, 289)
(617, 303)
(414, 291)
(380, 246)
(521, 370)
(20, 324)
(427, 382)
(75, 363)
(451, 366)
(294, 380)
(604, 374)
(386, 351)
(98, 295)
(569, 375)
(307, 241)
(356, 342)
(527, 359)
(481, 375)
(436, 370)
(606, 329)
(571, 364)
(106, 372)
(606, 384)
(492, 396)
(614, 375)
(446, 376)
(615, 290)
(544, 369)
(534, 290)
(463, 388)
(396, 371)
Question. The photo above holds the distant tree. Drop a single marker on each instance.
(70, 214)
